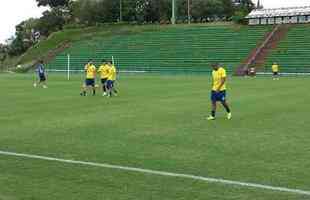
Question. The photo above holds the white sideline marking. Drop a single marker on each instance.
(161, 173)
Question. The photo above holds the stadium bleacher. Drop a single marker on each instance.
(293, 52)
(178, 48)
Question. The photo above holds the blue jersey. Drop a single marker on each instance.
(40, 70)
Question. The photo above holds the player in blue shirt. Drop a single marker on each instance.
(40, 70)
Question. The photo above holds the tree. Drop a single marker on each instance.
(53, 3)
(130, 9)
(165, 10)
(18, 46)
(3, 52)
(241, 11)
(80, 11)
(246, 6)
(23, 39)
(50, 22)
(228, 8)
(91, 12)
(239, 17)
(206, 9)
(148, 10)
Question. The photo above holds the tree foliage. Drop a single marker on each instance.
(50, 22)
(155, 10)
(23, 37)
(53, 3)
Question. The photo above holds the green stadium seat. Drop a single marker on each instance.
(180, 48)
(293, 52)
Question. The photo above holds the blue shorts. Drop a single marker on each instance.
(90, 82)
(110, 84)
(42, 77)
(218, 96)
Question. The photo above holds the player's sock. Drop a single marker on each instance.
(226, 108)
(213, 113)
(94, 92)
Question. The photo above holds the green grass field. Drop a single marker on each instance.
(158, 122)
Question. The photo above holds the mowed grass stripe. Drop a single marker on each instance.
(160, 173)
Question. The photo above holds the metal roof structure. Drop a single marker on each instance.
(279, 12)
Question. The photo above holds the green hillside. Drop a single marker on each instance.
(48, 48)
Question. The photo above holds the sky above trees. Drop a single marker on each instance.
(13, 12)
(283, 3)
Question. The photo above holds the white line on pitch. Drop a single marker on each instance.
(161, 173)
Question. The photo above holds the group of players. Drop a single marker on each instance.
(107, 72)
(274, 68)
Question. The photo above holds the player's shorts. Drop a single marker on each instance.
(110, 84)
(42, 77)
(218, 96)
(275, 73)
(90, 82)
(103, 81)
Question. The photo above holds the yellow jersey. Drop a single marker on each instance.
(112, 73)
(104, 71)
(90, 71)
(217, 76)
(275, 68)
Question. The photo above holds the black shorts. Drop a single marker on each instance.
(42, 78)
(90, 82)
(275, 73)
(103, 81)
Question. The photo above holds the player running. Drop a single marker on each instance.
(111, 80)
(218, 93)
(275, 71)
(89, 84)
(41, 74)
(104, 70)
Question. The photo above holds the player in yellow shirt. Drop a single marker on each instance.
(90, 71)
(275, 71)
(218, 93)
(111, 79)
(104, 71)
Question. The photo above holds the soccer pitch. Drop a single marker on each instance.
(157, 123)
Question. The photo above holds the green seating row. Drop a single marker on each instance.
(180, 47)
(293, 53)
